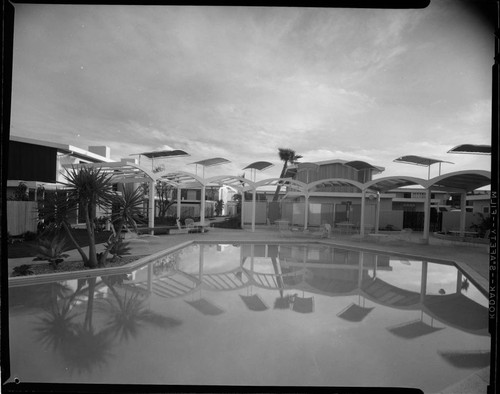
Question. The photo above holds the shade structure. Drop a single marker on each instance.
(467, 359)
(206, 307)
(211, 162)
(472, 149)
(413, 329)
(162, 151)
(259, 165)
(419, 160)
(254, 303)
(354, 313)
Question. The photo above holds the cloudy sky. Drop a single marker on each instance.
(239, 83)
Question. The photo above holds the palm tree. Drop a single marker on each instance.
(129, 209)
(90, 188)
(287, 156)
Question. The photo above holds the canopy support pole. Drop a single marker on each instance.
(151, 207)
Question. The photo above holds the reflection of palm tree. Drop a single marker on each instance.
(465, 285)
(129, 312)
(56, 326)
(80, 345)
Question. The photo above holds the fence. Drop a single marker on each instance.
(22, 216)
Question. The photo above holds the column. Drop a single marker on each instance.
(242, 214)
(463, 205)
(427, 215)
(151, 208)
(306, 210)
(377, 213)
(179, 202)
(254, 197)
(362, 221)
(202, 206)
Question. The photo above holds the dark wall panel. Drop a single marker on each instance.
(29, 162)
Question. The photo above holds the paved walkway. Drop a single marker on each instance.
(473, 259)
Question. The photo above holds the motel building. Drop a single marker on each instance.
(349, 195)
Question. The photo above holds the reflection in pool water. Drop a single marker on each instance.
(255, 314)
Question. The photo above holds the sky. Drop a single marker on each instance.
(241, 82)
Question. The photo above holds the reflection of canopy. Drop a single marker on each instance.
(458, 311)
(254, 303)
(259, 165)
(419, 160)
(386, 294)
(354, 312)
(462, 359)
(303, 304)
(413, 329)
(226, 280)
(472, 148)
(206, 307)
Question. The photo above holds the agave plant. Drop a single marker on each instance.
(117, 248)
(51, 249)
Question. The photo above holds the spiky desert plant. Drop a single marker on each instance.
(90, 188)
(51, 249)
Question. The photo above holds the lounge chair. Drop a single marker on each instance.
(179, 229)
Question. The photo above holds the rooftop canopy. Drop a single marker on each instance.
(162, 151)
(419, 160)
(211, 162)
(472, 149)
(120, 172)
(259, 165)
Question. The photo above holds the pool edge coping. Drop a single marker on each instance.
(477, 279)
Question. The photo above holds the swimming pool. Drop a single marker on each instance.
(255, 314)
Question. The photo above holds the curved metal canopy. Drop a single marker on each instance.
(211, 162)
(259, 165)
(393, 182)
(472, 149)
(461, 180)
(162, 151)
(419, 160)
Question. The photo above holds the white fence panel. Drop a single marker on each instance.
(22, 216)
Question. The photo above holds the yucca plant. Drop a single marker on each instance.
(89, 188)
(129, 208)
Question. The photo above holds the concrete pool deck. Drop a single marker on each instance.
(472, 259)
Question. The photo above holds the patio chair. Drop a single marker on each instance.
(284, 228)
(189, 223)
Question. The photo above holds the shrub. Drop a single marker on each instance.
(22, 270)
(232, 222)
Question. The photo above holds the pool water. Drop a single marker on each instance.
(255, 314)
